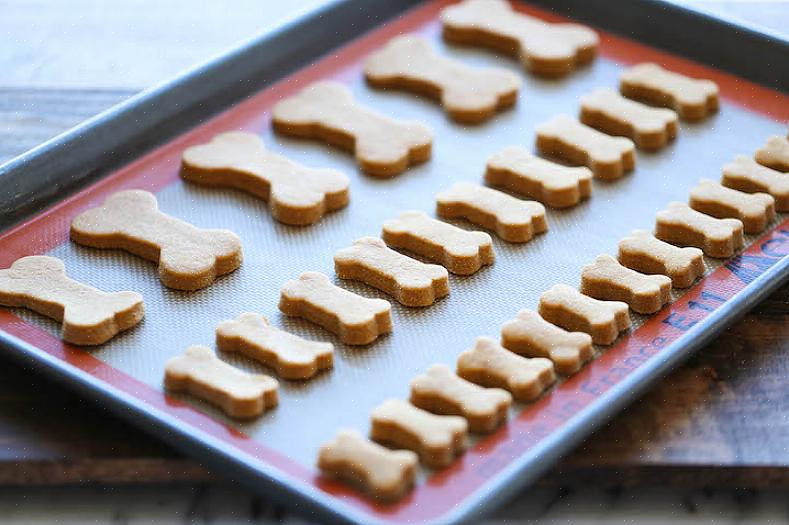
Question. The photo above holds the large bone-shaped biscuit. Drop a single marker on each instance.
(564, 137)
(189, 258)
(440, 391)
(467, 94)
(607, 279)
(567, 307)
(459, 251)
(517, 170)
(411, 282)
(693, 99)
(545, 49)
(379, 472)
(755, 210)
(532, 336)
(650, 128)
(774, 154)
(436, 439)
(202, 374)
(643, 252)
(355, 319)
(296, 194)
(682, 225)
(326, 110)
(745, 174)
(512, 219)
(89, 316)
(290, 355)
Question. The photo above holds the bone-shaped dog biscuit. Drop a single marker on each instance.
(512, 219)
(682, 225)
(517, 170)
(440, 391)
(355, 319)
(379, 472)
(693, 99)
(89, 316)
(567, 307)
(774, 154)
(411, 282)
(202, 374)
(436, 439)
(467, 94)
(545, 49)
(650, 128)
(296, 194)
(189, 258)
(607, 279)
(532, 336)
(459, 251)
(608, 157)
(755, 210)
(326, 110)
(643, 252)
(745, 174)
(291, 356)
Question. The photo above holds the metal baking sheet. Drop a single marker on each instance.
(276, 452)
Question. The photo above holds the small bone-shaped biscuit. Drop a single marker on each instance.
(607, 279)
(189, 258)
(545, 49)
(650, 128)
(643, 252)
(490, 365)
(512, 219)
(745, 174)
(440, 391)
(379, 472)
(436, 439)
(567, 307)
(515, 169)
(326, 110)
(291, 356)
(682, 225)
(754, 210)
(459, 251)
(296, 194)
(693, 99)
(355, 319)
(531, 335)
(467, 94)
(202, 374)
(89, 316)
(411, 282)
(774, 154)
(564, 137)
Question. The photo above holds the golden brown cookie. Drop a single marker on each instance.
(755, 210)
(774, 154)
(745, 174)
(607, 279)
(643, 252)
(567, 307)
(681, 225)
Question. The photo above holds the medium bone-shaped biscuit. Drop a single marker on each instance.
(410, 282)
(607, 279)
(532, 336)
(296, 194)
(436, 439)
(608, 157)
(355, 319)
(490, 365)
(459, 251)
(567, 307)
(512, 219)
(517, 170)
(755, 210)
(291, 356)
(89, 316)
(745, 174)
(693, 99)
(189, 258)
(379, 472)
(326, 110)
(440, 391)
(650, 128)
(682, 225)
(545, 49)
(202, 374)
(467, 94)
(774, 154)
(643, 252)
